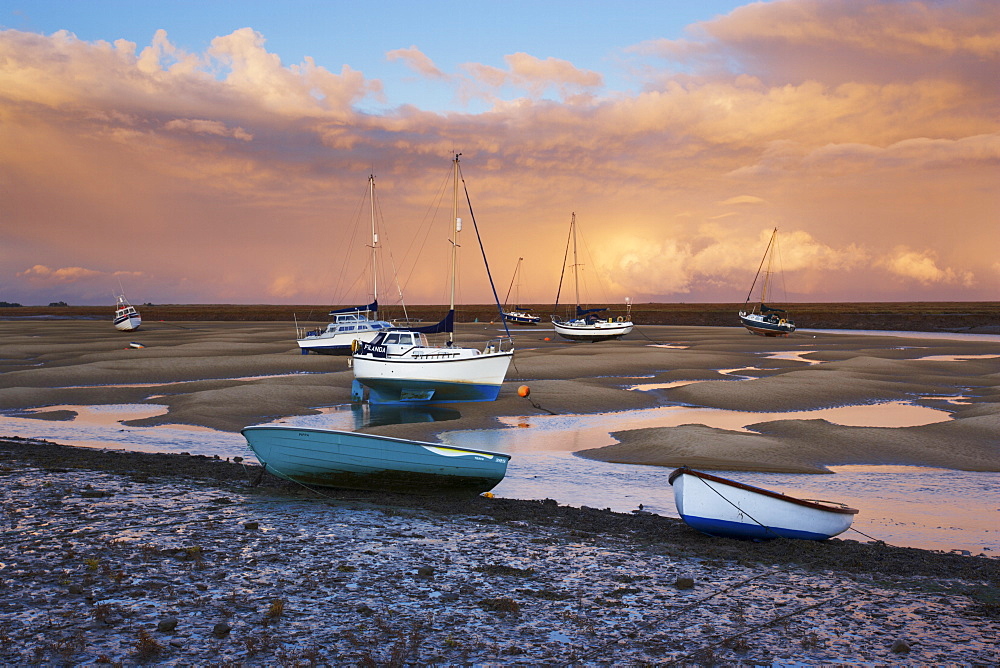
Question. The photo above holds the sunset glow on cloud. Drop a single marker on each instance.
(868, 133)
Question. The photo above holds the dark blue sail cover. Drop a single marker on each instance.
(373, 307)
(764, 308)
(446, 325)
(580, 312)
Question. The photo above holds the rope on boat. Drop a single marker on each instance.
(767, 528)
(743, 512)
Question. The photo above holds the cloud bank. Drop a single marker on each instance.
(867, 133)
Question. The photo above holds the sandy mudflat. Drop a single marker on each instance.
(116, 557)
(209, 374)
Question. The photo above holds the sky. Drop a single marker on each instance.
(219, 152)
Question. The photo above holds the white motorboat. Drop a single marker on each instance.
(722, 507)
(127, 319)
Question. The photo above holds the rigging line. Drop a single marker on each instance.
(482, 250)
(562, 274)
(760, 267)
(424, 229)
(387, 247)
(766, 528)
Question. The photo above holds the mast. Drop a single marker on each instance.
(576, 271)
(371, 191)
(454, 243)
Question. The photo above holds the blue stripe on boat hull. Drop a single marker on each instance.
(393, 391)
(726, 529)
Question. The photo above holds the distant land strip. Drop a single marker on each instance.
(969, 317)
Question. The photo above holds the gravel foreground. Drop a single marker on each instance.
(128, 558)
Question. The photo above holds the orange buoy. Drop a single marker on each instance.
(546, 339)
(523, 391)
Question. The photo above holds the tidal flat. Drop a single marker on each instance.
(130, 558)
(126, 557)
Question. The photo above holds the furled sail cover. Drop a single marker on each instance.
(446, 325)
(373, 307)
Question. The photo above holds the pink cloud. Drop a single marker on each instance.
(42, 274)
(854, 159)
(417, 61)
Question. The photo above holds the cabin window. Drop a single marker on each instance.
(392, 338)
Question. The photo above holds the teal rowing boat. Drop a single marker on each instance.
(354, 460)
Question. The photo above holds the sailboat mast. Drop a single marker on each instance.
(454, 244)
(576, 271)
(371, 193)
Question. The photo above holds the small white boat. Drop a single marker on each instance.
(354, 460)
(518, 315)
(127, 319)
(401, 366)
(722, 507)
(586, 325)
(760, 318)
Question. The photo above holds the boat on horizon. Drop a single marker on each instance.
(518, 315)
(585, 324)
(356, 460)
(721, 507)
(401, 365)
(354, 322)
(761, 318)
(127, 319)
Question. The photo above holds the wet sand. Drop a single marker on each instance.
(132, 557)
(207, 375)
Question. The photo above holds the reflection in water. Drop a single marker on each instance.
(352, 417)
(953, 358)
(905, 506)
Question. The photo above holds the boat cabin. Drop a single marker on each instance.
(351, 323)
(399, 341)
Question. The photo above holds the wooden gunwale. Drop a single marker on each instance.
(758, 490)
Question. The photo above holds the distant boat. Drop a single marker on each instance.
(401, 365)
(127, 319)
(354, 460)
(586, 325)
(759, 317)
(519, 315)
(357, 323)
(721, 507)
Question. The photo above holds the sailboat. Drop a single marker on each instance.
(352, 323)
(127, 319)
(401, 366)
(587, 325)
(759, 317)
(518, 315)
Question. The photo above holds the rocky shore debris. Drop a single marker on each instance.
(164, 571)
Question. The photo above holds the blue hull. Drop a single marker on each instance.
(353, 460)
(391, 391)
(727, 529)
